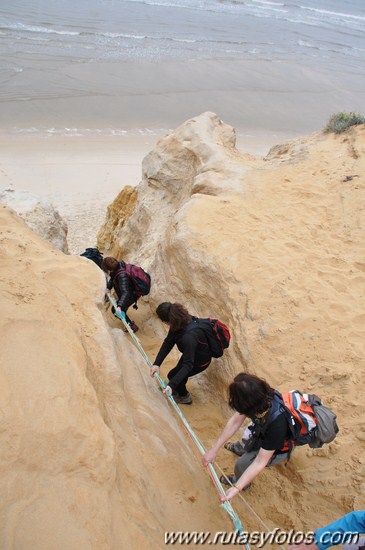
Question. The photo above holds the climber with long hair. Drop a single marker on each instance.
(192, 343)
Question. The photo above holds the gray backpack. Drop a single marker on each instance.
(326, 429)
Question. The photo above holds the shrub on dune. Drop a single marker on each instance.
(340, 122)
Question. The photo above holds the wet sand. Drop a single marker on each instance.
(252, 95)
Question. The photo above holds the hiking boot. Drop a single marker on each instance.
(184, 399)
(133, 326)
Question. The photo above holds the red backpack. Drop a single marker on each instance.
(299, 415)
(310, 422)
(217, 334)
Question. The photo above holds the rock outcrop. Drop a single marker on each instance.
(117, 216)
(196, 165)
(40, 215)
(272, 247)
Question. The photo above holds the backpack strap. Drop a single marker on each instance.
(260, 425)
(128, 268)
(291, 423)
(122, 267)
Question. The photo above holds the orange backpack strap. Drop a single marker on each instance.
(302, 412)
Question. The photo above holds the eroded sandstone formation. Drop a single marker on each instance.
(39, 215)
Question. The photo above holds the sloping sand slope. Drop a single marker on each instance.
(90, 455)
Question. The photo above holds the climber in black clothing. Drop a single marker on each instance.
(191, 341)
(122, 285)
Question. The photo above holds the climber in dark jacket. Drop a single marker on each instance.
(122, 285)
(193, 344)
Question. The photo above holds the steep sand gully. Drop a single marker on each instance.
(274, 246)
(289, 238)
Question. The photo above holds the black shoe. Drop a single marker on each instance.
(227, 480)
(235, 448)
(183, 399)
(133, 326)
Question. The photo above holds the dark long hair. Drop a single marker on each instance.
(176, 315)
(249, 394)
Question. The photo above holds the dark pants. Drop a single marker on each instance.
(181, 388)
(244, 461)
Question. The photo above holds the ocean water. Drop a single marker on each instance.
(64, 62)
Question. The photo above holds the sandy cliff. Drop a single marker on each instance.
(274, 247)
(90, 455)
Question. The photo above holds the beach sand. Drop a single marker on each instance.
(79, 176)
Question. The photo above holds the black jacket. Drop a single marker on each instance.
(123, 286)
(194, 347)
